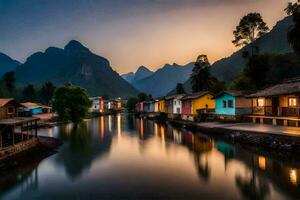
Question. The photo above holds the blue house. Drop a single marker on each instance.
(32, 108)
(232, 104)
(151, 106)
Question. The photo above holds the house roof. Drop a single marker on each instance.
(177, 96)
(288, 87)
(234, 93)
(3, 102)
(31, 105)
(196, 95)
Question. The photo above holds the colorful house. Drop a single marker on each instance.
(9, 108)
(232, 105)
(159, 105)
(97, 104)
(173, 105)
(32, 108)
(278, 104)
(197, 103)
(139, 107)
(151, 106)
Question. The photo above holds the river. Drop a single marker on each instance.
(121, 157)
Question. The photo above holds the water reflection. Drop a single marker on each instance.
(122, 156)
(82, 147)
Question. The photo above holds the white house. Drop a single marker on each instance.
(97, 104)
(173, 105)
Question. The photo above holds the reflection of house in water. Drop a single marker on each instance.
(82, 147)
(26, 178)
(226, 149)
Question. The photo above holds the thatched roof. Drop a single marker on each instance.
(285, 88)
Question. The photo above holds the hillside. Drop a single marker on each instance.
(76, 64)
(7, 64)
(141, 73)
(163, 80)
(227, 69)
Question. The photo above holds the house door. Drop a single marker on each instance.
(275, 106)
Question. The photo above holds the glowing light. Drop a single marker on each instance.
(293, 177)
(155, 129)
(262, 162)
(119, 124)
(102, 127)
(142, 127)
(109, 123)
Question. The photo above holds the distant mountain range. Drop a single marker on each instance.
(164, 79)
(7, 64)
(275, 41)
(76, 64)
(141, 72)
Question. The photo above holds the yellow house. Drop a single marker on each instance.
(159, 105)
(194, 104)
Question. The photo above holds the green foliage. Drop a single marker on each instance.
(142, 96)
(132, 101)
(294, 34)
(8, 83)
(249, 29)
(200, 75)
(71, 103)
(46, 93)
(266, 69)
(28, 93)
(180, 89)
(201, 78)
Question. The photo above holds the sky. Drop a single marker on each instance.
(130, 33)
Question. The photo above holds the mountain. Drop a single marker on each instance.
(7, 64)
(141, 73)
(163, 80)
(76, 64)
(275, 41)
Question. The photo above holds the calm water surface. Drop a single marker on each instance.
(120, 157)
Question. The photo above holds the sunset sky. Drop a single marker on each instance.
(130, 33)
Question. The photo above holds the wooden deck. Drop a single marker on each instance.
(275, 120)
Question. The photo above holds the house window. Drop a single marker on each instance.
(224, 104)
(260, 102)
(10, 110)
(230, 103)
(292, 102)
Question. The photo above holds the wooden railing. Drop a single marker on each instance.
(289, 111)
(279, 111)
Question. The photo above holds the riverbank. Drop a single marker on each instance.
(280, 139)
(45, 147)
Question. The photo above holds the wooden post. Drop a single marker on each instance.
(261, 120)
(274, 121)
(285, 122)
(13, 133)
(35, 128)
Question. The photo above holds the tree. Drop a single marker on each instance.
(9, 82)
(293, 35)
(292, 8)
(28, 93)
(47, 92)
(132, 101)
(180, 88)
(250, 28)
(71, 103)
(142, 96)
(200, 74)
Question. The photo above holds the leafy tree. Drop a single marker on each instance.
(132, 101)
(9, 82)
(142, 96)
(200, 75)
(71, 103)
(292, 8)
(47, 92)
(28, 93)
(180, 89)
(294, 34)
(250, 28)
